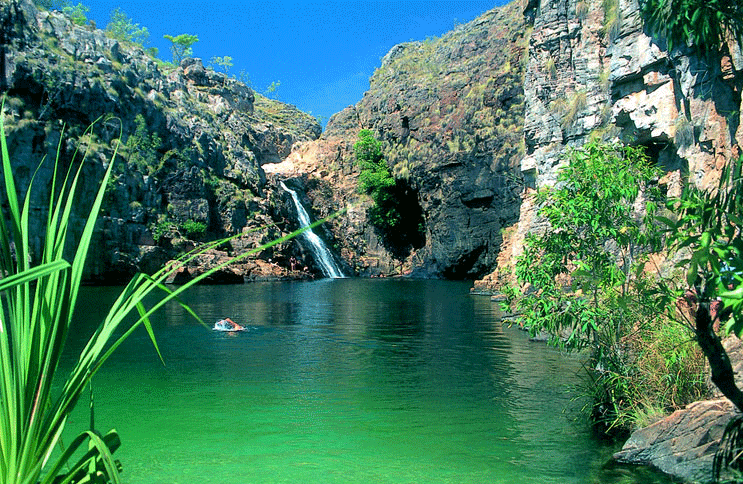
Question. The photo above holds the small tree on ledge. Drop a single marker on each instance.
(181, 47)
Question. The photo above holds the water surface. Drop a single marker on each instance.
(350, 380)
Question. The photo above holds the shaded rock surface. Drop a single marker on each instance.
(449, 114)
(191, 141)
(254, 270)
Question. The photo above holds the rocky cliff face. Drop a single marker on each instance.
(593, 71)
(449, 113)
(472, 122)
(191, 141)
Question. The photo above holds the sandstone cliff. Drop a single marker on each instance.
(192, 140)
(593, 71)
(449, 112)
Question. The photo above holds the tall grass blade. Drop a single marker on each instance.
(36, 309)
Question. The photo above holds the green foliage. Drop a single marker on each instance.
(224, 62)
(194, 229)
(708, 230)
(375, 175)
(586, 286)
(166, 226)
(395, 214)
(181, 46)
(163, 227)
(244, 77)
(612, 20)
(142, 146)
(121, 27)
(707, 233)
(704, 24)
(77, 13)
(271, 89)
(593, 243)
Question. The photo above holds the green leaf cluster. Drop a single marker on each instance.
(595, 239)
(375, 176)
(707, 235)
(395, 214)
(142, 146)
(123, 28)
(194, 229)
(704, 24)
(181, 46)
(224, 62)
(77, 13)
(271, 90)
(584, 279)
(708, 231)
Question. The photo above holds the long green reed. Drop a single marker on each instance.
(37, 304)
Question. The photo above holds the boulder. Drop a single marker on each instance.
(684, 443)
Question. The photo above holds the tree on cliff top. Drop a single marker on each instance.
(77, 12)
(121, 27)
(181, 47)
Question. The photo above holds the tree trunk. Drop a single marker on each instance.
(723, 375)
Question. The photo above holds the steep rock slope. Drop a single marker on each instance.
(593, 71)
(449, 114)
(192, 140)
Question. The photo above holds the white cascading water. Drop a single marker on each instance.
(322, 254)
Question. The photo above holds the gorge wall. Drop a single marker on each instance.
(449, 113)
(473, 122)
(477, 120)
(192, 140)
(594, 72)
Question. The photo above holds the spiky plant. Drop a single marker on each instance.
(37, 303)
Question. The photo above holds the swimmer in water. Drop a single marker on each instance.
(227, 324)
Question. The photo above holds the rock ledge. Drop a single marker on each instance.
(684, 443)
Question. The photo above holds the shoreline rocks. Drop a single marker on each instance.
(684, 443)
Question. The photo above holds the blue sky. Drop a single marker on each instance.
(322, 53)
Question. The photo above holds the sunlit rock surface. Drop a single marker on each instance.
(198, 160)
(449, 113)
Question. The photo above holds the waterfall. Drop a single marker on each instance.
(320, 251)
